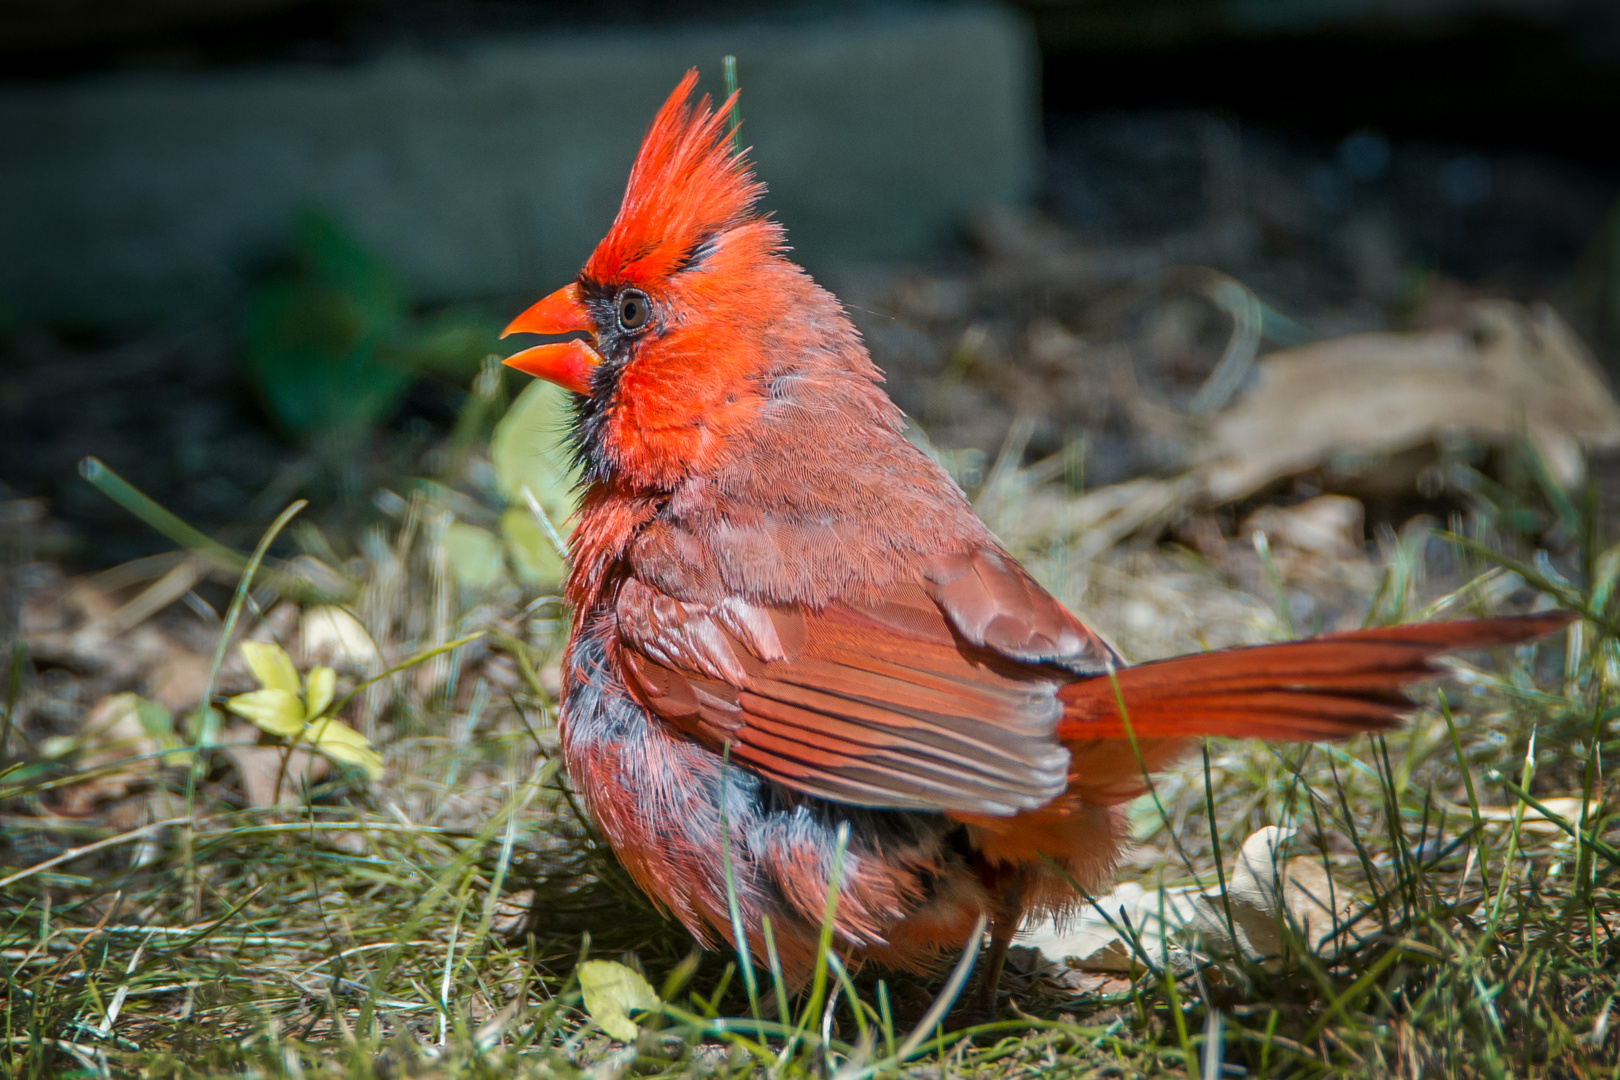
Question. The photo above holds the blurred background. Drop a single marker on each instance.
(255, 249)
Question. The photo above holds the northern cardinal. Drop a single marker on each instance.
(789, 623)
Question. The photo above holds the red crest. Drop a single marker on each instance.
(687, 185)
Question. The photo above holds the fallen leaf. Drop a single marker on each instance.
(1567, 807)
(341, 742)
(120, 746)
(260, 766)
(1265, 892)
(280, 710)
(1131, 927)
(1372, 396)
(179, 679)
(612, 991)
(1331, 525)
(511, 914)
(319, 689)
(330, 635)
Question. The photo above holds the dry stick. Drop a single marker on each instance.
(947, 997)
(79, 852)
(552, 535)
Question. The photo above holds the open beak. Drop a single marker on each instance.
(569, 364)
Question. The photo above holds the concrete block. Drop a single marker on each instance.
(490, 168)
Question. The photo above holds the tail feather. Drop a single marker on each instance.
(1325, 687)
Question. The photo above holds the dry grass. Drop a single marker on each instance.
(430, 923)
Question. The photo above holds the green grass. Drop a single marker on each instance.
(380, 930)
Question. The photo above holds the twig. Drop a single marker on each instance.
(89, 849)
(947, 997)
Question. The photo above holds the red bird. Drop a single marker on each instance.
(762, 562)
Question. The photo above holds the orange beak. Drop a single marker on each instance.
(569, 364)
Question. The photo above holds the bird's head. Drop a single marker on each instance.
(681, 311)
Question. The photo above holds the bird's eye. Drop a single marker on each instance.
(634, 310)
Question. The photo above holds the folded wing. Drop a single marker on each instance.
(970, 690)
(940, 695)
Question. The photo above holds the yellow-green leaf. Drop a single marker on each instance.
(56, 746)
(277, 711)
(340, 742)
(528, 450)
(474, 555)
(532, 554)
(318, 690)
(158, 722)
(271, 665)
(612, 991)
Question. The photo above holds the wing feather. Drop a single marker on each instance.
(885, 704)
(970, 690)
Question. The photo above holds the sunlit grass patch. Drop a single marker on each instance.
(431, 920)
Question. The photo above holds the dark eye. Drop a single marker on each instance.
(634, 310)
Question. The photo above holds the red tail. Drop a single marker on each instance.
(1327, 687)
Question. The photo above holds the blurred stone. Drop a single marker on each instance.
(492, 167)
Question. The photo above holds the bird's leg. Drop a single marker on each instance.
(1005, 917)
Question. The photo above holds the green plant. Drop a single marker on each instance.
(331, 346)
(297, 710)
(535, 477)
